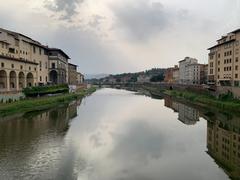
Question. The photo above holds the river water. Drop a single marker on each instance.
(121, 135)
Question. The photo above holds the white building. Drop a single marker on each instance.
(195, 74)
(184, 72)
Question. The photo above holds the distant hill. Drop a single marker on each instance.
(95, 76)
(154, 75)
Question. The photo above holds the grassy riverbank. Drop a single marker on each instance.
(225, 102)
(44, 103)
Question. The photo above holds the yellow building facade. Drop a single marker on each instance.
(224, 61)
(25, 62)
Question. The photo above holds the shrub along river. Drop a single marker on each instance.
(121, 135)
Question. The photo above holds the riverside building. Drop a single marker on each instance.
(171, 75)
(184, 69)
(58, 66)
(80, 78)
(20, 59)
(224, 61)
(72, 74)
(176, 75)
(195, 74)
(25, 62)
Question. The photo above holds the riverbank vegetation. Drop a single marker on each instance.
(224, 102)
(43, 90)
(43, 103)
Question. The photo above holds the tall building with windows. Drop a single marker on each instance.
(195, 74)
(25, 62)
(20, 59)
(58, 69)
(72, 74)
(224, 61)
(176, 74)
(184, 69)
(168, 75)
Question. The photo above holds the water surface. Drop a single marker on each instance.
(121, 135)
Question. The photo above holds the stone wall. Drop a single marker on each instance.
(226, 89)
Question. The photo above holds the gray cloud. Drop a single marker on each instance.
(68, 7)
(142, 19)
(88, 51)
(141, 35)
(96, 21)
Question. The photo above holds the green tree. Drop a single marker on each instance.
(157, 78)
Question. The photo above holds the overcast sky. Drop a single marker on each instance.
(113, 36)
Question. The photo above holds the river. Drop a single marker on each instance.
(120, 135)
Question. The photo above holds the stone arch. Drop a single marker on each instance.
(3, 79)
(30, 80)
(13, 80)
(21, 80)
(53, 76)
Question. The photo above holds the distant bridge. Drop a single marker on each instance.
(159, 86)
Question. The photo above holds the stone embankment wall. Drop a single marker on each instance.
(202, 89)
(226, 89)
(194, 88)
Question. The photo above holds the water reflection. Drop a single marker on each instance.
(223, 142)
(30, 146)
(118, 135)
(223, 135)
(186, 114)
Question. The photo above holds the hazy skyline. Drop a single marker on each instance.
(113, 36)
